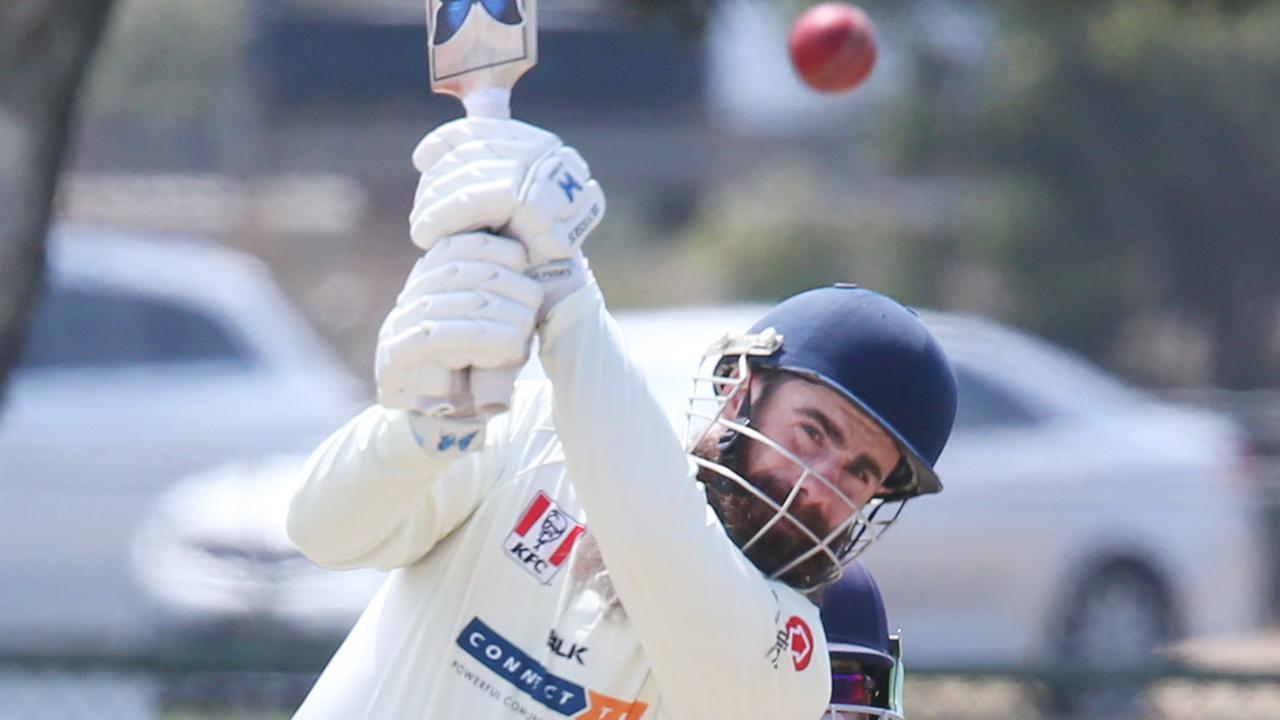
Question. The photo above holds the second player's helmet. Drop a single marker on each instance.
(871, 350)
(866, 661)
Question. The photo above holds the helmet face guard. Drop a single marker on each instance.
(861, 689)
(819, 559)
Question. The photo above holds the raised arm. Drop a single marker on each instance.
(709, 622)
(371, 496)
(723, 641)
(390, 484)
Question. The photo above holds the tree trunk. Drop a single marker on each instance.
(45, 46)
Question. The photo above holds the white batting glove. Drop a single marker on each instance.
(477, 175)
(466, 304)
(520, 179)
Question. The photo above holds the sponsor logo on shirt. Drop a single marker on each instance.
(796, 639)
(560, 695)
(543, 538)
(566, 649)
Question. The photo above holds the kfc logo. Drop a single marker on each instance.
(543, 538)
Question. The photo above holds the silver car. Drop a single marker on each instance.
(1082, 521)
(146, 360)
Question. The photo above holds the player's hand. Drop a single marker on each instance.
(506, 174)
(465, 304)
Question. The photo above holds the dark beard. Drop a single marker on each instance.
(588, 573)
(743, 514)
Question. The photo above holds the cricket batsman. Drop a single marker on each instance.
(563, 553)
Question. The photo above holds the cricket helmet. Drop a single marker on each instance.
(874, 352)
(866, 661)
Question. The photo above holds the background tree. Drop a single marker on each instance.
(45, 46)
(1129, 149)
(1101, 173)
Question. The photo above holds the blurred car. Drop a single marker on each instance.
(221, 575)
(1082, 521)
(146, 359)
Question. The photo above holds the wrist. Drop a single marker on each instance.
(560, 279)
(583, 305)
(447, 437)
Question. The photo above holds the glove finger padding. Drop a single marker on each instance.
(408, 386)
(479, 389)
(428, 389)
(465, 304)
(433, 189)
(486, 203)
(485, 173)
(478, 151)
(510, 137)
(458, 307)
(475, 182)
(462, 275)
(468, 247)
(458, 344)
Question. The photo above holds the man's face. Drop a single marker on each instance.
(830, 435)
(834, 438)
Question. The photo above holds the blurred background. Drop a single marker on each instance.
(203, 221)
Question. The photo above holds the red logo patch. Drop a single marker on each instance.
(800, 642)
(543, 538)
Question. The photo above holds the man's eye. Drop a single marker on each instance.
(811, 432)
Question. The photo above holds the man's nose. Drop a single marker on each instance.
(831, 468)
(842, 487)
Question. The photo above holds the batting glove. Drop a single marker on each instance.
(466, 304)
(505, 174)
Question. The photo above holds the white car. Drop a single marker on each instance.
(1082, 521)
(146, 360)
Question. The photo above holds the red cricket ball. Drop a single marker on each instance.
(833, 47)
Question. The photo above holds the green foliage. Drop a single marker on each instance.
(178, 59)
(1139, 148)
(788, 229)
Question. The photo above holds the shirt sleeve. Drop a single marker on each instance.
(723, 641)
(371, 497)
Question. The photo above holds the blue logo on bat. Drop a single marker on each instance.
(453, 13)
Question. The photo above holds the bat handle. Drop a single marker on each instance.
(490, 389)
(488, 102)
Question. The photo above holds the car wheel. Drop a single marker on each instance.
(1120, 618)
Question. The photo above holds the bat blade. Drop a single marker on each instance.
(477, 45)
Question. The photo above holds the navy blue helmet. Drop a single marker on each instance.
(878, 354)
(866, 663)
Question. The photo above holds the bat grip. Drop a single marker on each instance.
(488, 102)
(486, 392)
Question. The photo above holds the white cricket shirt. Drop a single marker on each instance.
(497, 608)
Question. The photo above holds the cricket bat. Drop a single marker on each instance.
(477, 50)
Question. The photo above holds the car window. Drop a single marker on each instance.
(983, 404)
(98, 327)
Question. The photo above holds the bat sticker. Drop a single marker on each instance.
(453, 13)
(489, 46)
